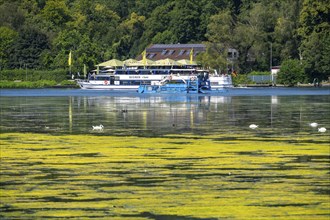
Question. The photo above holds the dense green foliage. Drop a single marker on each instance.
(291, 73)
(26, 85)
(38, 34)
(58, 75)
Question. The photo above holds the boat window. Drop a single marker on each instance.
(102, 78)
(171, 52)
(145, 82)
(130, 82)
(164, 52)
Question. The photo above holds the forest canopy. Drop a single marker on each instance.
(39, 34)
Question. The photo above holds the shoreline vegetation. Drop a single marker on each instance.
(31, 79)
(40, 84)
(60, 78)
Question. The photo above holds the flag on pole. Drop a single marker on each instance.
(191, 55)
(85, 71)
(70, 58)
(144, 57)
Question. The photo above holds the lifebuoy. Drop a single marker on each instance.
(105, 82)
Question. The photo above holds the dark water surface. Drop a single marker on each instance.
(275, 110)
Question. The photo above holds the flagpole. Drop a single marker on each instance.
(70, 62)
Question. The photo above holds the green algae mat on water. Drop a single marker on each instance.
(171, 177)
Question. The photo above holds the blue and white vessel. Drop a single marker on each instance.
(176, 84)
(132, 77)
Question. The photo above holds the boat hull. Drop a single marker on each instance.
(127, 82)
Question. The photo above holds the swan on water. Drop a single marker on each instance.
(98, 127)
(253, 126)
(323, 129)
(313, 124)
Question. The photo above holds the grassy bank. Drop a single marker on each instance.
(28, 79)
(4, 84)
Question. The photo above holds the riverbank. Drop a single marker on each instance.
(18, 84)
(306, 85)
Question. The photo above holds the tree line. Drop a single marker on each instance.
(39, 34)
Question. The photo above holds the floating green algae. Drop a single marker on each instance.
(171, 177)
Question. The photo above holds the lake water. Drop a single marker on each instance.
(277, 111)
(165, 156)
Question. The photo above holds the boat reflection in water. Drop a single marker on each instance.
(146, 114)
(190, 113)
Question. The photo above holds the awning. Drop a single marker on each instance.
(113, 62)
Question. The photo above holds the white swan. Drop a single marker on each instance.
(253, 126)
(323, 129)
(313, 124)
(98, 127)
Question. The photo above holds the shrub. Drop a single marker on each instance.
(291, 73)
(33, 75)
(241, 79)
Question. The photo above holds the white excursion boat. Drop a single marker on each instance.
(132, 78)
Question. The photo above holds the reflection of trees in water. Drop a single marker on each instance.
(162, 114)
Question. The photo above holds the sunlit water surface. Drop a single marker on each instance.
(165, 156)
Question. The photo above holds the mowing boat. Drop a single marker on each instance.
(177, 84)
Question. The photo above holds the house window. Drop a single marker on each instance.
(150, 56)
(181, 52)
(164, 52)
(171, 52)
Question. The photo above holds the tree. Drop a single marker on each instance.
(253, 35)
(221, 28)
(215, 57)
(185, 20)
(26, 50)
(11, 15)
(56, 13)
(7, 39)
(220, 34)
(129, 32)
(291, 73)
(286, 39)
(155, 24)
(314, 31)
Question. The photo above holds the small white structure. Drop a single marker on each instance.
(274, 70)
